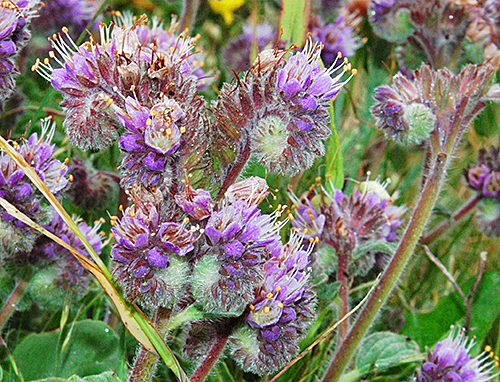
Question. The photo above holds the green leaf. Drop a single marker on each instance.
(92, 348)
(334, 160)
(107, 376)
(382, 350)
(429, 328)
(294, 20)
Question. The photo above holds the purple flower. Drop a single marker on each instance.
(279, 114)
(197, 203)
(451, 361)
(279, 316)
(236, 53)
(15, 17)
(74, 14)
(485, 176)
(308, 223)
(17, 189)
(433, 101)
(337, 37)
(239, 242)
(147, 256)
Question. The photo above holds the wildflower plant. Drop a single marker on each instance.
(227, 235)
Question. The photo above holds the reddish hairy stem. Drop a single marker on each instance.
(10, 305)
(343, 293)
(202, 371)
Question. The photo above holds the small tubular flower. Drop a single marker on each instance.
(280, 315)
(147, 256)
(451, 361)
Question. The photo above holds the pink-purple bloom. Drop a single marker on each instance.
(451, 361)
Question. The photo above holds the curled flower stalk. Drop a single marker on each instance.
(278, 113)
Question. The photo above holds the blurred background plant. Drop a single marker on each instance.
(201, 160)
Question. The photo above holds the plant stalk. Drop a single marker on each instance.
(343, 293)
(202, 371)
(145, 363)
(394, 270)
(12, 302)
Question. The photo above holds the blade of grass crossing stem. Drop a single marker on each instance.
(334, 160)
(135, 321)
(294, 20)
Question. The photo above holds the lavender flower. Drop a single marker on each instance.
(451, 361)
(15, 17)
(197, 203)
(434, 101)
(149, 250)
(484, 178)
(337, 37)
(17, 189)
(236, 53)
(59, 275)
(279, 114)
(279, 316)
(239, 242)
(74, 14)
(91, 189)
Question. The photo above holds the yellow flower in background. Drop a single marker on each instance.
(226, 8)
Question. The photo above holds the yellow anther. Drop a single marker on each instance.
(58, 179)
(316, 239)
(267, 309)
(311, 217)
(114, 217)
(65, 30)
(202, 64)
(306, 231)
(354, 72)
(51, 54)
(132, 88)
(252, 308)
(46, 61)
(269, 295)
(346, 61)
(182, 129)
(277, 289)
(280, 305)
(169, 131)
(186, 220)
(120, 207)
(71, 178)
(66, 160)
(149, 121)
(309, 211)
(195, 63)
(62, 167)
(112, 222)
(311, 240)
(487, 348)
(153, 113)
(132, 214)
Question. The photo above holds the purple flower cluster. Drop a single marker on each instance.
(74, 14)
(438, 101)
(337, 37)
(484, 178)
(451, 361)
(280, 315)
(15, 16)
(17, 189)
(240, 240)
(236, 53)
(63, 275)
(279, 114)
(148, 253)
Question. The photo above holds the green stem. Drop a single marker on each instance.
(189, 11)
(145, 363)
(343, 293)
(10, 305)
(394, 270)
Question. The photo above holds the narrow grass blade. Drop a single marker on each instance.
(294, 20)
(135, 321)
(334, 160)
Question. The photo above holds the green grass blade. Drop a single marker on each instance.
(334, 160)
(134, 320)
(294, 20)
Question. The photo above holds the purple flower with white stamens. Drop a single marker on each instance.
(239, 242)
(279, 316)
(147, 256)
(15, 17)
(279, 114)
(17, 189)
(451, 361)
(309, 223)
(197, 203)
